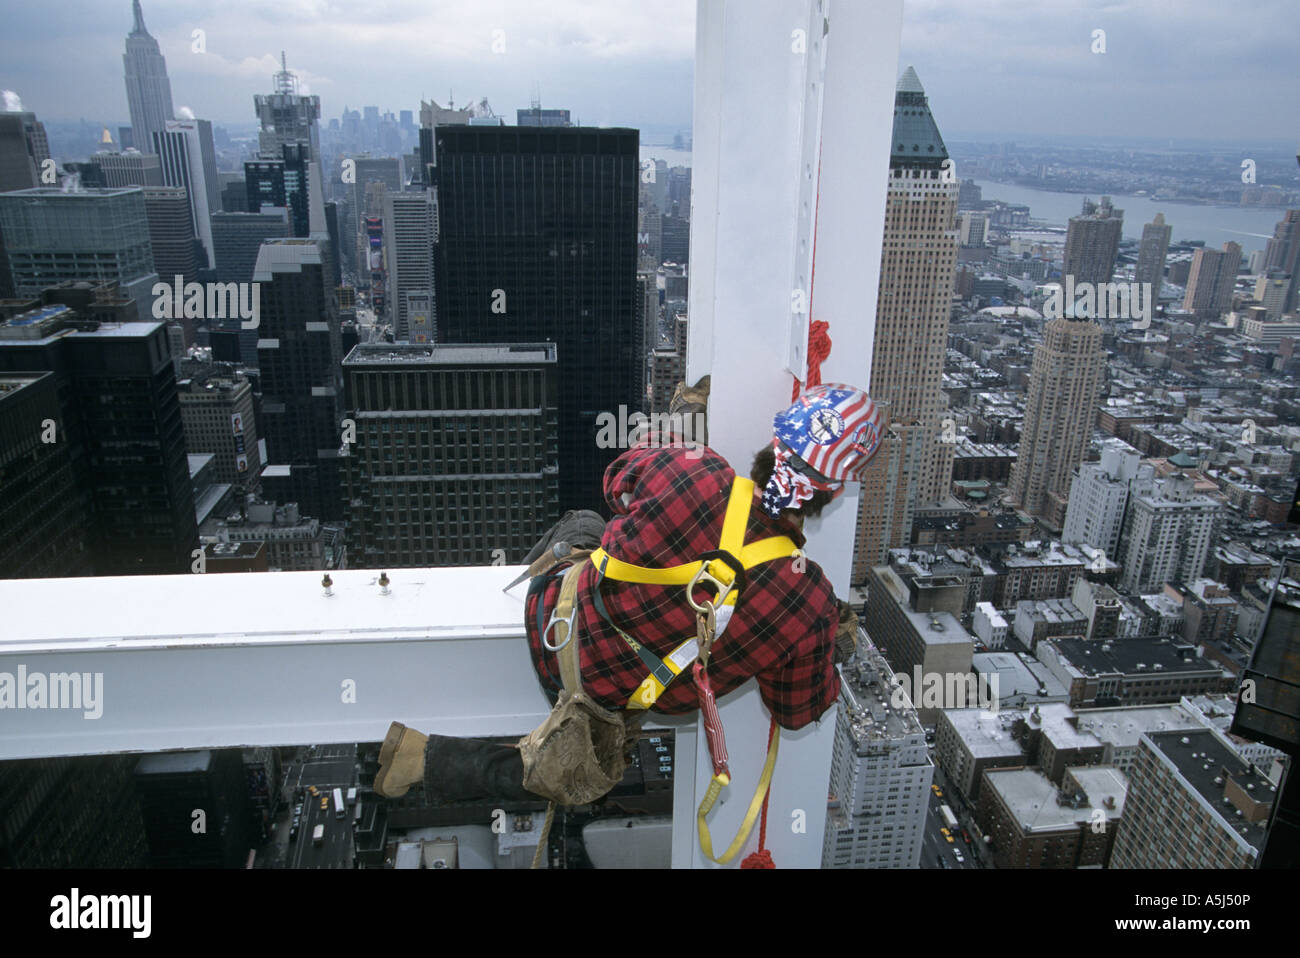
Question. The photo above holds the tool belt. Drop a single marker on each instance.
(581, 751)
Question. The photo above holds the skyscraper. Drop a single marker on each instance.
(237, 239)
(44, 508)
(129, 452)
(171, 233)
(408, 242)
(281, 182)
(1064, 384)
(917, 267)
(1092, 241)
(431, 116)
(456, 452)
(97, 235)
(148, 91)
(537, 243)
(1152, 252)
(287, 117)
(131, 168)
(299, 354)
(1283, 254)
(1212, 279)
(881, 772)
(189, 160)
(24, 149)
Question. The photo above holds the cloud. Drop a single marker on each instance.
(13, 102)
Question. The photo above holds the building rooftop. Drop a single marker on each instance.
(916, 136)
(1019, 675)
(463, 354)
(1052, 611)
(867, 691)
(938, 628)
(1057, 721)
(985, 734)
(1206, 764)
(1132, 656)
(1124, 727)
(1039, 806)
(58, 193)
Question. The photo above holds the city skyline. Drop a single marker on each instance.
(621, 64)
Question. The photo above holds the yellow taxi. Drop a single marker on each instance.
(947, 835)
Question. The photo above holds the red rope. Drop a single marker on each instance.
(763, 858)
(819, 347)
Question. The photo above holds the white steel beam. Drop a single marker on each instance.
(793, 122)
(221, 660)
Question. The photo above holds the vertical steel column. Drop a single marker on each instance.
(793, 103)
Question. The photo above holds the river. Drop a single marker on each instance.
(1251, 227)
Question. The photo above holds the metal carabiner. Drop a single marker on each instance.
(552, 622)
(722, 589)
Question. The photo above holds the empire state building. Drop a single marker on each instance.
(148, 91)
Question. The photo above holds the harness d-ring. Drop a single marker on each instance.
(552, 623)
(721, 589)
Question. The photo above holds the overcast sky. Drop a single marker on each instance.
(1172, 68)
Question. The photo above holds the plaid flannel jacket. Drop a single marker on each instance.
(668, 509)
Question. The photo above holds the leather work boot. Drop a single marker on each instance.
(463, 769)
(401, 761)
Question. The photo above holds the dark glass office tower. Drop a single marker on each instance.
(44, 511)
(299, 351)
(281, 182)
(121, 416)
(171, 786)
(538, 242)
(455, 453)
(71, 812)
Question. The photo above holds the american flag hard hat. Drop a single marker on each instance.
(833, 428)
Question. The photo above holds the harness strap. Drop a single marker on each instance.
(755, 806)
(564, 619)
(734, 524)
(725, 566)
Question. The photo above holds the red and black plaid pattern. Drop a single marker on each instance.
(782, 630)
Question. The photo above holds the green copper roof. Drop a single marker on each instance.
(916, 137)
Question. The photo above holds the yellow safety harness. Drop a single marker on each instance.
(723, 570)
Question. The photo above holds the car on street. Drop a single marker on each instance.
(947, 835)
(937, 792)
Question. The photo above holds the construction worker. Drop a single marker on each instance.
(785, 628)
